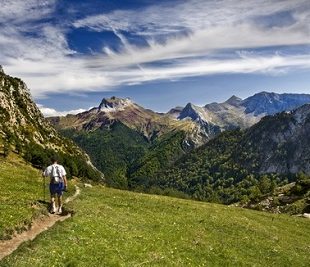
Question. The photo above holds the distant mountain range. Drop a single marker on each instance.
(222, 152)
(235, 112)
(199, 123)
(147, 122)
(118, 133)
(240, 165)
(132, 144)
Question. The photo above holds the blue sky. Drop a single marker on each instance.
(72, 53)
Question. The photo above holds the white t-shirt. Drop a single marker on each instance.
(55, 170)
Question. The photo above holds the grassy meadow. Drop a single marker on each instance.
(21, 190)
(22, 197)
(119, 228)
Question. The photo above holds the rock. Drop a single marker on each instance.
(306, 215)
(88, 185)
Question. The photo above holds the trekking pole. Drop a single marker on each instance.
(43, 180)
(44, 188)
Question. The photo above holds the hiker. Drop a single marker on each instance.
(58, 183)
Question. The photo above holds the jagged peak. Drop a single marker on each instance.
(192, 111)
(1, 69)
(233, 100)
(190, 106)
(114, 103)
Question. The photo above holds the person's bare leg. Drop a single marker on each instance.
(59, 203)
(53, 204)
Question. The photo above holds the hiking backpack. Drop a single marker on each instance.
(56, 175)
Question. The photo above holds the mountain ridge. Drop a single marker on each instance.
(242, 165)
(236, 112)
(200, 123)
(24, 131)
(145, 121)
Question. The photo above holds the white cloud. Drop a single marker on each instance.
(191, 14)
(189, 38)
(19, 11)
(50, 112)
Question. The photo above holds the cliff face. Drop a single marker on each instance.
(279, 144)
(20, 117)
(22, 126)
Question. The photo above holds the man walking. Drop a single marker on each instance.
(58, 184)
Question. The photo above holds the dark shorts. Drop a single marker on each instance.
(56, 189)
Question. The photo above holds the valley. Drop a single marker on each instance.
(154, 133)
(245, 162)
(122, 145)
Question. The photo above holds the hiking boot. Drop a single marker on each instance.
(53, 209)
(60, 210)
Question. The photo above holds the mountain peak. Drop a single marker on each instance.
(189, 105)
(1, 69)
(114, 104)
(265, 103)
(234, 100)
(191, 111)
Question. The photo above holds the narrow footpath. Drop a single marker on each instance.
(38, 226)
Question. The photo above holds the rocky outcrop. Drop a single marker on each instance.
(202, 118)
(22, 123)
(19, 115)
(278, 144)
(114, 104)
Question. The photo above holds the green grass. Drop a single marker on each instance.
(22, 197)
(120, 228)
(21, 188)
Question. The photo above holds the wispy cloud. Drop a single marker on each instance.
(191, 38)
(161, 19)
(20, 11)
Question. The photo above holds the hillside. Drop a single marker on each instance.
(24, 130)
(119, 228)
(240, 165)
(113, 150)
(227, 169)
(278, 144)
(120, 137)
(21, 187)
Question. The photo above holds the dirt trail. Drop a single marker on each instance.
(38, 226)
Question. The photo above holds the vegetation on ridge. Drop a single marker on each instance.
(225, 170)
(24, 131)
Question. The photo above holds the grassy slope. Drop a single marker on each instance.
(120, 228)
(21, 198)
(20, 187)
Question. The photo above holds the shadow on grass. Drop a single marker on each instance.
(65, 211)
